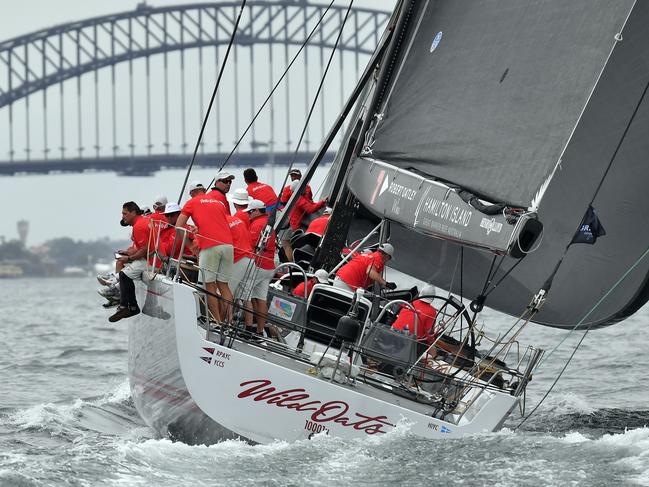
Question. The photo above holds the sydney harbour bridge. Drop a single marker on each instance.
(128, 92)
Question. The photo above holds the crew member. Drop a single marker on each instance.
(222, 183)
(133, 261)
(259, 191)
(240, 199)
(295, 175)
(321, 276)
(159, 209)
(426, 315)
(168, 234)
(265, 261)
(239, 283)
(303, 206)
(194, 186)
(215, 256)
(319, 225)
(363, 269)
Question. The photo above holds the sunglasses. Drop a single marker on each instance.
(225, 181)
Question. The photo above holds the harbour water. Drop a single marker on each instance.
(66, 416)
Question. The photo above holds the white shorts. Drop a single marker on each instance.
(339, 283)
(135, 269)
(216, 263)
(262, 281)
(241, 288)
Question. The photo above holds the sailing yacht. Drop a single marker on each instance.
(500, 147)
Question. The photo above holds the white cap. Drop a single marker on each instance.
(146, 210)
(387, 248)
(195, 185)
(428, 291)
(239, 197)
(255, 205)
(160, 201)
(328, 211)
(172, 208)
(294, 184)
(223, 175)
(322, 276)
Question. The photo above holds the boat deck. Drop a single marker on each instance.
(368, 382)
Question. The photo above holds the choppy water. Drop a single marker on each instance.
(66, 417)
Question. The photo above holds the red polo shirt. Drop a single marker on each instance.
(240, 238)
(304, 206)
(141, 231)
(319, 225)
(244, 216)
(426, 315)
(299, 289)
(167, 238)
(220, 196)
(211, 219)
(356, 272)
(266, 260)
(262, 192)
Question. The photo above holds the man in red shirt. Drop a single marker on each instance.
(364, 269)
(304, 206)
(159, 209)
(426, 315)
(243, 266)
(295, 175)
(134, 261)
(321, 276)
(240, 199)
(216, 255)
(319, 225)
(168, 234)
(194, 187)
(264, 261)
(222, 183)
(259, 191)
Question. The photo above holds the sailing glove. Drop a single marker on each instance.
(391, 285)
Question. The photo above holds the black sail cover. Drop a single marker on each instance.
(533, 103)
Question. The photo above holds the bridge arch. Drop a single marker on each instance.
(35, 61)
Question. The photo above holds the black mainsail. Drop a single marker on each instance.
(539, 105)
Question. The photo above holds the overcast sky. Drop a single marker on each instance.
(86, 206)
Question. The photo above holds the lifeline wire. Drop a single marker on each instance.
(317, 95)
(266, 234)
(209, 108)
(279, 81)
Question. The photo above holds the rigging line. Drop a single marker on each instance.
(503, 277)
(619, 145)
(555, 381)
(279, 81)
(315, 99)
(209, 108)
(617, 283)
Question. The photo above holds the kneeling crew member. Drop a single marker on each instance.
(364, 269)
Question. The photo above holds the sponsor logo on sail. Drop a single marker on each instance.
(436, 41)
(328, 413)
(443, 210)
(491, 225)
(399, 190)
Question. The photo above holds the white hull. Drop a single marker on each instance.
(198, 391)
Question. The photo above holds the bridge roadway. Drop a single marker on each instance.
(146, 165)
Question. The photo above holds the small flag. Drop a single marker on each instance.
(589, 229)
